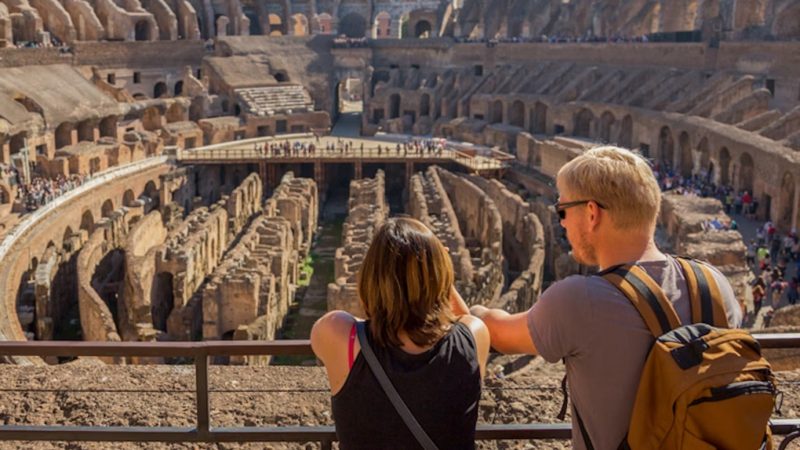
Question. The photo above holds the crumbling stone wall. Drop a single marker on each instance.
(682, 216)
(368, 209)
(523, 245)
(97, 321)
(482, 227)
(140, 268)
(428, 202)
(248, 295)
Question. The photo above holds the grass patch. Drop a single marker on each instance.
(307, 269)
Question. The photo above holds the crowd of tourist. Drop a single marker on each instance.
(342, 146)
(770, 255)
(41, 191)
(560, 39)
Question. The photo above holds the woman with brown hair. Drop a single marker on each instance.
(421, 333)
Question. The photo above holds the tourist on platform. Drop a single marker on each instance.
(420, 330)
(751, 254)
(759, 292)
(586, 321)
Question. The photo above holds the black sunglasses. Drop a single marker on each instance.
(560, 208)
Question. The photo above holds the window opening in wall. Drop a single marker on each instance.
(644, 149)
(393, 66)
(415, 66)
(111, 78)
(559, 129)
(280, 126)
(137, 77)
(263, 130)
(771, 86)
(41, 150)
(478, 70)
(238, 136)
(478, 116)
(199, 74)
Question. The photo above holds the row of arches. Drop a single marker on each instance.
(68, 133)
(352, 25)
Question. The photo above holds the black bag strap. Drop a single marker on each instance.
(646, 295)
(706, 299)
(398, 403)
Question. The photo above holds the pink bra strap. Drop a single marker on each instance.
(350, 344)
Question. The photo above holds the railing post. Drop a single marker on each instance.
(201, 387)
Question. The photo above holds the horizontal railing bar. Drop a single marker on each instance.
(281, 434)
(233, 348)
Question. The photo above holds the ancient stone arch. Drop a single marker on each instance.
(64, 135)
(107, 208)
(178, 89)
(143, 31)
(394, 106)
(17, 143)
(128, 198)
(86, 131)
(583, 123)
(300, 25)
(425, 105)
(496, 112)
(87, 221)
(66, 237)
(108, 127)
(162, 300)
(423, 29)
(275, 25)
(607, 121)
(324, 23)
(626, 132)
(703, 157)
(160, 89)
(724, 166)
(746, 172)
(353, 25)
(538, 124)
(151, 192)
(382, 26)
(685, 149)
(666, 146)
(516, 114)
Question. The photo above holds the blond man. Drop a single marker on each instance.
(609, 202)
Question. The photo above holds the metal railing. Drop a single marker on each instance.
(203, 432)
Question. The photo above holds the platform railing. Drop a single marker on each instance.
(204, 432)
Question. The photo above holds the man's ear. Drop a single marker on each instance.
(595, 215)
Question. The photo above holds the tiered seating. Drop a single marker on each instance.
(281, 99)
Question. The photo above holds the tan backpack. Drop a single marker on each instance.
(703, 386)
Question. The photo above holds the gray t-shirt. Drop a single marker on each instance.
(594, 326)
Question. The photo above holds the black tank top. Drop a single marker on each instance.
(441, 387)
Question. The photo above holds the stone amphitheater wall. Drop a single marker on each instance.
(49, 224)
(480, 222)
(368, 209)
(523, 245)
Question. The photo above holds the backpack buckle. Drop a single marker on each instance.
(690, 354)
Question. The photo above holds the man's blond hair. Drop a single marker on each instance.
(620, 180)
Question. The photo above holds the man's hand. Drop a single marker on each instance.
(509, 332)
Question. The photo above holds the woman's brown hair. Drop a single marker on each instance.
(404, 284)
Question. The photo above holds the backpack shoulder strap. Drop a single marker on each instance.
(646, 295)
(706, 299)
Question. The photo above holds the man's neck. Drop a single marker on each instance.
(628, 249)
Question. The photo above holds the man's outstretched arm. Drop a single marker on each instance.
(509, 332)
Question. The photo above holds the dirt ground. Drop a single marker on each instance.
(85, 393)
